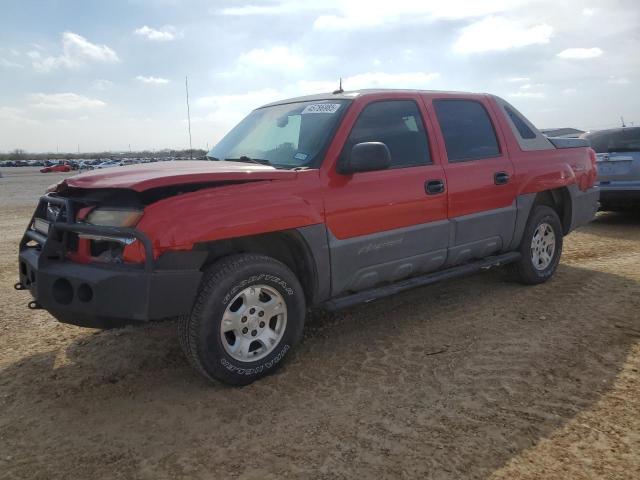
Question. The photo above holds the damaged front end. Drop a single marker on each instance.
(72, 261)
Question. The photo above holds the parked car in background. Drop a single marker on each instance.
(84, 166)
(328, 200)
(60, 167)
(108, 164)
(618, 161)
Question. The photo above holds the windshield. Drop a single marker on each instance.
(620, 140)
(285, 136)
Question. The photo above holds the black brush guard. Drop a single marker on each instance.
(101, 294)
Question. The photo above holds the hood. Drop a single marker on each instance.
(162, 174)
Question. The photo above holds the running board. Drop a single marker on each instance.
(372, 294)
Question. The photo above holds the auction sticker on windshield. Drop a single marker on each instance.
(321, 108)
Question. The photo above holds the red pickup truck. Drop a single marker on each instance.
(326, 200)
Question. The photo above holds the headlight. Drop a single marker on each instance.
(114, 217)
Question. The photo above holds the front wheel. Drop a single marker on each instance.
(248, 314)
(541, 247)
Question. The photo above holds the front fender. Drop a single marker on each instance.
(180, 222)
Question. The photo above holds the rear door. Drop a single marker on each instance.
(480, 177)
(389, 224)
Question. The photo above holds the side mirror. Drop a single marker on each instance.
(366, 157)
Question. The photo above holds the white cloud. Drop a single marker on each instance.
(8, 63)
(517, 79)
(589, 12)
(16, 116)
(76, 51)
(499, 33)
(63, 101)
(527, 94)
(152, 80)
(102, 85)
(580, 53)
(275, 60)
(250, 99)
(282, 8)
(165, 34)
(618, 80)
(358, 14)
(569, 91)
(416, 80)
(278, 57)
(529, 86)
(354, 14)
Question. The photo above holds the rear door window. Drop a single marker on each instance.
(467, 130)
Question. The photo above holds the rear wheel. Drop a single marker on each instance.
(541, 247)
(247, 316)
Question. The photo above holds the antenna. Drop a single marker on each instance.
(186, 86)
(339, 90)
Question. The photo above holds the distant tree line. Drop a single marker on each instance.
(19, 154)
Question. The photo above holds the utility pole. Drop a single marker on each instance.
(622, 120)
(186, 86)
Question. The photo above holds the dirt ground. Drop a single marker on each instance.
(478, 378)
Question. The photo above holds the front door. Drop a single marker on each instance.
(389, 224)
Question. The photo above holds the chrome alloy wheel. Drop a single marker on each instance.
(253, 323)
(543, 246)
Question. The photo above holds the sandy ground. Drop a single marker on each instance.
(479, 378)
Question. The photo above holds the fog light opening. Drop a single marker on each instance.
(85, 293)
(62, 291)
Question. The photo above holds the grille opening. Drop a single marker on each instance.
(106, 251)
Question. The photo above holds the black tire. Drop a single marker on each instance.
(524, 270)
(199, 332)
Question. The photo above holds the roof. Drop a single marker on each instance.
(350, 95)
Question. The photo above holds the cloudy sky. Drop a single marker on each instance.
(109, 74)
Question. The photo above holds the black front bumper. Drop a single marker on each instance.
(104, 294)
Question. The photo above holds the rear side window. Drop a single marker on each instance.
(523, 129)
(467, 130)
(625, 139)
(397, 124)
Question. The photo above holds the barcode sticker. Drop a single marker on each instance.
(321, 108)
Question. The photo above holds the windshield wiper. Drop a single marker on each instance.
(246, 159)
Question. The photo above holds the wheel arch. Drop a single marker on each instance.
(291, 247)
(559, 199)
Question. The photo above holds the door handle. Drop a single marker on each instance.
(434, 187)
(500, 178)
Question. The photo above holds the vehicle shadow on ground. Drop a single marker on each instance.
(605, 220)
(446, 381)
